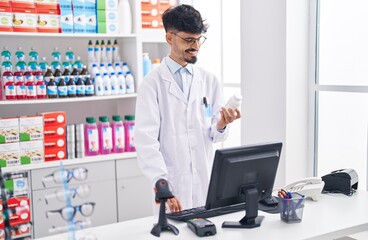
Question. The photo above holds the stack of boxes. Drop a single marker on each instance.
(9, 142)
(78, 16)
(152, 11)
(107, 16)
(66, 16)
(55, 135)
(29, 16)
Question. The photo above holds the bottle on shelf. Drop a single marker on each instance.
(97, 52)
(110, 69)
(33, 64)
(81, 88)
(51, 88)
(91, 139)
(66, 64)
(129, 80)
(43, 65)
(78, 63)
(109, 56)
(33, 55)
(117, 68)
(115, 52)
(118, 134)
(125, 17)
(40, 84)
(57, 75)
(48, 75)
(19, 54)
(62, 88)
(114, 84)
(125, 69)
(90, 55)
(7, 64)
(147, 64)
(122, 84)
(75, 74)
(90, 87)
(106, 84)
(102, 51)
(69, 55)
(56, 55)
(5, 54)
(19, 84)
(71, 88)
(94, 71)
(129, 133)
(102, 69)
(55, 64)
(10, 91)
(99, 87)
(105, 135)
(7, 75)
(31, 91)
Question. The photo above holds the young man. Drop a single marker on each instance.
(179, 113)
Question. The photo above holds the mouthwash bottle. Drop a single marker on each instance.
(105, 135)
(55, 63)
(5, 54)
(56, 55)
(118, 134)
(19, 54)
(43, 65)
(129, 133)
(91, 137)
(33, 55)
(69, 55)
(78, 64)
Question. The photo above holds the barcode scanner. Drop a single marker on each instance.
(162, 194)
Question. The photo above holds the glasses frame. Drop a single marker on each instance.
(75, 210)
(81, 191)
(191, 41)
(70, 173)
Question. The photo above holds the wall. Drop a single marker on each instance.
(274, 73)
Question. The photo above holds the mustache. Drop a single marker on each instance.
(191, 49)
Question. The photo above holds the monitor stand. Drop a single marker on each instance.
(251, 218)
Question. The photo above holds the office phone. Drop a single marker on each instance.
(309, 187)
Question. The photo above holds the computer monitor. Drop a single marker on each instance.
(243, 174)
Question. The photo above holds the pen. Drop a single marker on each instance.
(205, 101)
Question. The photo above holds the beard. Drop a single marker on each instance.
(192, 59)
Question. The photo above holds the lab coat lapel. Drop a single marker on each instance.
(196, 86)
(174, 89)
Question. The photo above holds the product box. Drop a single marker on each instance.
(48, 21)
(90, 5)
(54, 118)
(20, 211)
(66, 19)
(59, 142)
(17, 183)
(47, 4)
(108, 27)
(55, 131)
(6, 24)
(31, 152)
(107, 16)
(78, 4)
(22, 3)
(24, 20)
(55, 154)
(107, 4)
(91, 21)
(4, 3)
(65, 4)
(9, 154)
(79, 21)
(9, 130)
(30, 128)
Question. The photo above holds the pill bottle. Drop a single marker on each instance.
(234, 101)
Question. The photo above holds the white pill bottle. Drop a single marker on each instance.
(234, 102)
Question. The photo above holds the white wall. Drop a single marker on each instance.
(274, 73)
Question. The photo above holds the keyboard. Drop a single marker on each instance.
(202, 212)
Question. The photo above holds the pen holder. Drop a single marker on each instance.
(292, 208)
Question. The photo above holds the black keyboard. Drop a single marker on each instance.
(202, 212)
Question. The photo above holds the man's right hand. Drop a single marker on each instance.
(174, 204)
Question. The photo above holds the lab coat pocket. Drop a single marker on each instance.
(207, 110)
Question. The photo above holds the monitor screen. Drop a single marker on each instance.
(243, 174)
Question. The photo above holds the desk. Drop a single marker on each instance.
(333, 216)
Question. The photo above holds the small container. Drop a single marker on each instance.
(129, 133)
(118, 134)
(291, 210)
(91, 137)
(105, 135)
(234, 102)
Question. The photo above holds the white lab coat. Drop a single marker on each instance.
(173, 135)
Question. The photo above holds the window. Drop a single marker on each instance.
(340, 87)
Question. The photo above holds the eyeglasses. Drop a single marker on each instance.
(65, 175)
(191, 41)
(62, 195)
(68, 213)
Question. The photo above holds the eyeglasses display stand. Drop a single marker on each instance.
(68, 212)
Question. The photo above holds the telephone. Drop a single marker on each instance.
(309, 187)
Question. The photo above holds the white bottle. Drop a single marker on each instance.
(115, 52)
(106, 84)
(109, 56)
(234, 101)
(99, 87)
(110, 69)
(122, 83)
(114, 84)
(94, 71)
(117, 68)
(124, 68)
(125, 17)
(129, 79)
(97, 52)
(102, 69)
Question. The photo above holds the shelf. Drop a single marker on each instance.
(66, 100)
(65, 35)
(68, 162)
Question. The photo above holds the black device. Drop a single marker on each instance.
(341, 181)
(162, 194)
(202, 227)
(244, 174)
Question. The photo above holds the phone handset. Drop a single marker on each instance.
(310, 187)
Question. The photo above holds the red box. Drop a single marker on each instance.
(55, 154)
(54, 131)
(4, 3)
(6, 15)
(54, 118)
(22, 211)
(22, 3)
(55, 142)
(24, 20)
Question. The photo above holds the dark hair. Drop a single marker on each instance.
(183, 18)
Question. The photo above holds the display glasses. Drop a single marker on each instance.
(62, 195)
(191, 41)
(68, 213)
(65, 175)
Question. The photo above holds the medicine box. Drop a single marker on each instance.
(9, 130)
(20, 207)
(55, 142)
(55, 153)
(79, 21)
(107, 4)
(6, 24)
(22, 4)
(54, 131)
(66, 19)
(78, 4)
(107, 16)
(31, 152)
(54, 118)
(4, 3)
(90, 5)
(47, 4)
(108, 27)
(31, 128)
(9, 154)
(48, 21)
(91, 21)
(65, 4)
(24, 20)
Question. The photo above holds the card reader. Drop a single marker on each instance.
(202, 227)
